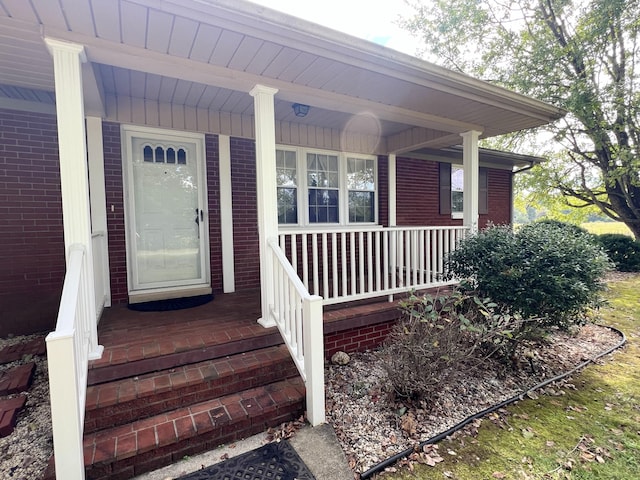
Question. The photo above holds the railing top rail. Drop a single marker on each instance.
(68, 299)
(367, 228)
(286, 265)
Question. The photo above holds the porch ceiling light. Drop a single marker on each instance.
(300, 109)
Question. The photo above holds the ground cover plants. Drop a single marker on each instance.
(586, 429)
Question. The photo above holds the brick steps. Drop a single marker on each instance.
(144, 445)
(17, 379)
(133, 398)
(141, 423)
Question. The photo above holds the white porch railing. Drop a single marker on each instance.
(298, 316)
(100, 270)
(348, 265)
(68, 351)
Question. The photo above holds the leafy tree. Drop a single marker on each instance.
(578, 55)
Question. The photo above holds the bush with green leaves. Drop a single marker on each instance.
(542, 271)
(623, 251)
(439, 337)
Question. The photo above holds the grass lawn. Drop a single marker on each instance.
(591, 431)
(607, 227)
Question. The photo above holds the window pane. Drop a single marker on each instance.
(360, 174)
(287, 205)
(456, 201)
(361, 206)
(457, 186)
(287, 180)
(322, 171)
(323, 206)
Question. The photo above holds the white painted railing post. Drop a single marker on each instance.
(64, 393)
(314, 359)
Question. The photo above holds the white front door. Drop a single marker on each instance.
(167, 240)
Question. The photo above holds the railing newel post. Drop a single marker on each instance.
(314, 359)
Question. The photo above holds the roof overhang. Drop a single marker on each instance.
(208, 54)
(487, 157)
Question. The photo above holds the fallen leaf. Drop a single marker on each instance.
(498, 475)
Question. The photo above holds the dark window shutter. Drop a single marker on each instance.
(483, 191)
(445, 188)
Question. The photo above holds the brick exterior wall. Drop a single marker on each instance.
(245, 214)
(115, 211)
(417, 200)
(213, 190)
(357, 339)
(32, 256)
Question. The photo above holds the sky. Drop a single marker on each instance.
(368, 19)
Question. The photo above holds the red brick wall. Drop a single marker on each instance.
(357, 339)
(245, 213)
(115, 215)
(418, 195)
(215, 234)
(500, 187)
(32, 262)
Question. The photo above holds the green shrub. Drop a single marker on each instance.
(542, 271)
(623, 251)
(439, 337)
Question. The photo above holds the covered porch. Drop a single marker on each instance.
(219, 80)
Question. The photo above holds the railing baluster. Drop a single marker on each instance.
(361, 261)
(352, 253)
(305, 261)
(378, 260)
(369, 263)
(422, 256)
(325, 267)
(314, 250)
(334, 266)
(343, 261)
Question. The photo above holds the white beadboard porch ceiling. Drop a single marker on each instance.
(210, 53)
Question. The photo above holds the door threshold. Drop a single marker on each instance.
(166, 294)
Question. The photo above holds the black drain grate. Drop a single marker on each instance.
(274, 461)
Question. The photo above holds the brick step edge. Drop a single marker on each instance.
(136, 398)
(9, 409)
(128, 451)
(17, 379)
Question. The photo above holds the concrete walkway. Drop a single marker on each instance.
(317, 446)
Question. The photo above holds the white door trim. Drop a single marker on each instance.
(198, 287)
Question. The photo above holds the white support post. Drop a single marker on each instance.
(263, 100)
(314, 360)
(67, 66)
(392, 204)
(226, 214)
(471, 165)
(98, 196)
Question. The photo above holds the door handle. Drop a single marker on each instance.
(197, 220)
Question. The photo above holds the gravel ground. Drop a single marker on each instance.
(370, 424)
(24, 454)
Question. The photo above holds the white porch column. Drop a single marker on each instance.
(263, 100)
(471, 165)
(226, 214)
(392, 189)
(67, 66)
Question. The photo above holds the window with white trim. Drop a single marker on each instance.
(320, 187)
(457, 191)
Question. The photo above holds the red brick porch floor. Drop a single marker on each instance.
(155, 340)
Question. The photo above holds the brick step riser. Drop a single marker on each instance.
(177, 397)
(170, 454)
